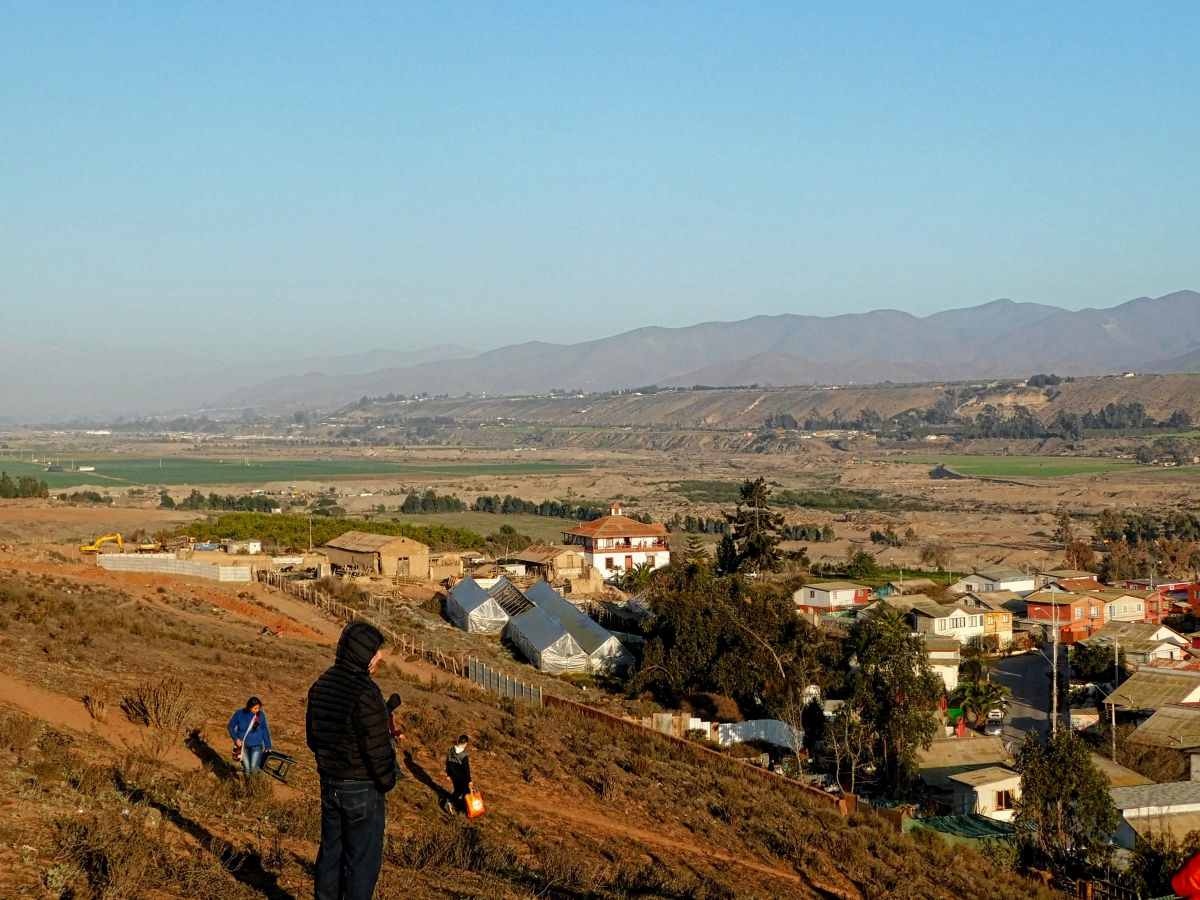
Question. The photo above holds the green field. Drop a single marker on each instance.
(130, 471)
(1021, 466)
(546, 529)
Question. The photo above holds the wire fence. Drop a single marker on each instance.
(499, 683)
(496, 682)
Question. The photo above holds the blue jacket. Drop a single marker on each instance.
(259, 734)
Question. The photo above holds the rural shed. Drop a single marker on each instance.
(474, 610)
(379, 554)
(545, 643)
(991, 792)
(606, 654)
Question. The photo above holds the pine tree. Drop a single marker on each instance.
(1065, 812)
(755, 532)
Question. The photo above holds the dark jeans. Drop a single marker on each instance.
(353, 814)
(458, 796)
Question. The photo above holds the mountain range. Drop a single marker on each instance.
(1001, 339)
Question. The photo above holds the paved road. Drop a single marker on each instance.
(1028, 677)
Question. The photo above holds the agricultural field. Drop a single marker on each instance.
(127, 471)
(545, 529)
(1022, 466)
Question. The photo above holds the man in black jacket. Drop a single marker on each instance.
(347, 729)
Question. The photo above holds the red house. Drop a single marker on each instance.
(1077, 615)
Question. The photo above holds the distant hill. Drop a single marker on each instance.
(1001, 339)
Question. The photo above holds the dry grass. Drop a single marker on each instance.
(96, 707)
(164, 705)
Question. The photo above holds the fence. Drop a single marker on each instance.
(772, 731)
(491, 680)
(167, 564)
(501, 684)
(845, 804)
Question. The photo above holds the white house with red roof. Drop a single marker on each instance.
(614, 544)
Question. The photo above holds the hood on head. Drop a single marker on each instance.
(358, 644)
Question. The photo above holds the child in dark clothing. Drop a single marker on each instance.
(458, 771)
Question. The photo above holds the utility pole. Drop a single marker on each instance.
(1054, 663)
(1112, 703)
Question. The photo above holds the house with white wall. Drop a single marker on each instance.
(990, 792)
(827, 596)
(997, 580)
(956, 620)
(615, 544)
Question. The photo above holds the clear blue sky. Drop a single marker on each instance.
(349, 176)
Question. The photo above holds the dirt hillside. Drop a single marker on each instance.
(100, 806)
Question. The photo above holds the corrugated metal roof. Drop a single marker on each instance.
(996, 600)
(972, 825)
(941, 611)
(836, 586)
(1175, 726)
(1135, 631)
(1002, 575)
(1162, 797)
(1118, 775)
(973, 752)
(541, 556)
(988, 775)
(361, 542)
(937, 643)
(1153, 690)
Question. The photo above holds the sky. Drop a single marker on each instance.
(295, 180)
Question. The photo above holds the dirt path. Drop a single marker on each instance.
(67, 712)
(311, 617)
(222, 598)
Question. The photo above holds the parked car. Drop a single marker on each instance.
(993, 726)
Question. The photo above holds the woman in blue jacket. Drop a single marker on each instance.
(251, 737)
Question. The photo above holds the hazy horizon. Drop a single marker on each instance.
(267, 182)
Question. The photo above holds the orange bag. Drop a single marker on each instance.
(475, 805)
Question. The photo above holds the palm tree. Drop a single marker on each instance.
(981, 697)
(887, 616)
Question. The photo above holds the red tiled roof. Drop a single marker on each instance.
(618, 526)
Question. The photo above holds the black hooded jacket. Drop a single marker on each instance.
(347, 720)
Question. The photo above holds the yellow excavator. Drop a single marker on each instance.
(94, 547)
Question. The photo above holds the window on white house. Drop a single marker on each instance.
(609, 562)
(1139, 607)
(1004, 800)
(1124, 608)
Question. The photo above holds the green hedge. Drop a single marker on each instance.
(292, 531)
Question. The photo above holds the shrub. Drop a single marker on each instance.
(96, 707)
(164, 705)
